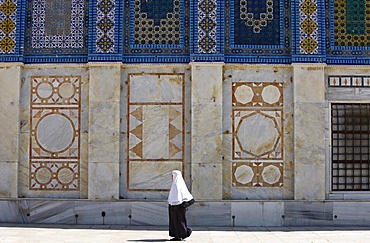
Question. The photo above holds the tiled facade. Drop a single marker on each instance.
(180, 31)
(101, 99)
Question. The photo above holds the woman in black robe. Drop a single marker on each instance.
(178, 196)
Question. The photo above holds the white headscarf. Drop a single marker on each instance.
(179, 192)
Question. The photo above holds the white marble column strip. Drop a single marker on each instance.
(104, 128)
(10, 82)
(309, 131)
(206, 127)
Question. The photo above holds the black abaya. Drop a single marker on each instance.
(177, 225)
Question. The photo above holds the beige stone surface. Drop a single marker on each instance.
(10, 81)
(8, 180)
(104, 131)
(103, 180)
(309, 132)
(206, 83)
(9, 129)
(309, 181)
(206, 181)
(152, 175)
(206, 144)
(104, 82)
(309, 82)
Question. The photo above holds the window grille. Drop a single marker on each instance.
(350, 126)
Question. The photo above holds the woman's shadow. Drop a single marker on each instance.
(150, 240)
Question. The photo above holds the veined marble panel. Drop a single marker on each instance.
(12, 212)
(308, 213)
(50, 213)
(209, 213)
(152, 175)
(8, 175)
(257, 128)
(257, 213)
(55, 133)
(53, 140)
(155, 128)
(350, 213)
(102, 213)
(156, 88)
(149, 213)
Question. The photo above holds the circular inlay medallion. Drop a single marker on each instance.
(244, 94)
(43, 175)
(271, 94)
(54, 133)
(66, 90)
(271, 174)
(44, 90)
(65, 175)
(244, 174)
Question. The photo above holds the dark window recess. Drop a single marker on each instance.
(350, 126)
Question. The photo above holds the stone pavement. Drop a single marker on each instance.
(113, 233)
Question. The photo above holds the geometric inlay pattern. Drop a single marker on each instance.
(257, 125)
(8, 15)
(257, 174)
(352, 23)
(207, 26)
(349, 81)
(105, 25)
(55, 108)
(56, 27)
(155, 130)
(308, 27)
(157, 22)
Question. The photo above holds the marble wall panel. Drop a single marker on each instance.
(155, 129)
(44, 212)
(90, 212)
(155, 126)
(103, 133)
(110, 76)
(152, 213)
(311, 144)
(9, 130)
(209, 213)
(309, 83)
(206, 136)
(257, 213)
(206, 127)
(104, 130)
(208, 181)
(8, 175)
(308, 213)
(309, 151)
(10, 82)
(351, 213)
(151, 175)
(103, 180)
(309, 131)
(257, 120)
(206, 77)
(53, 132)
(11, 212)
